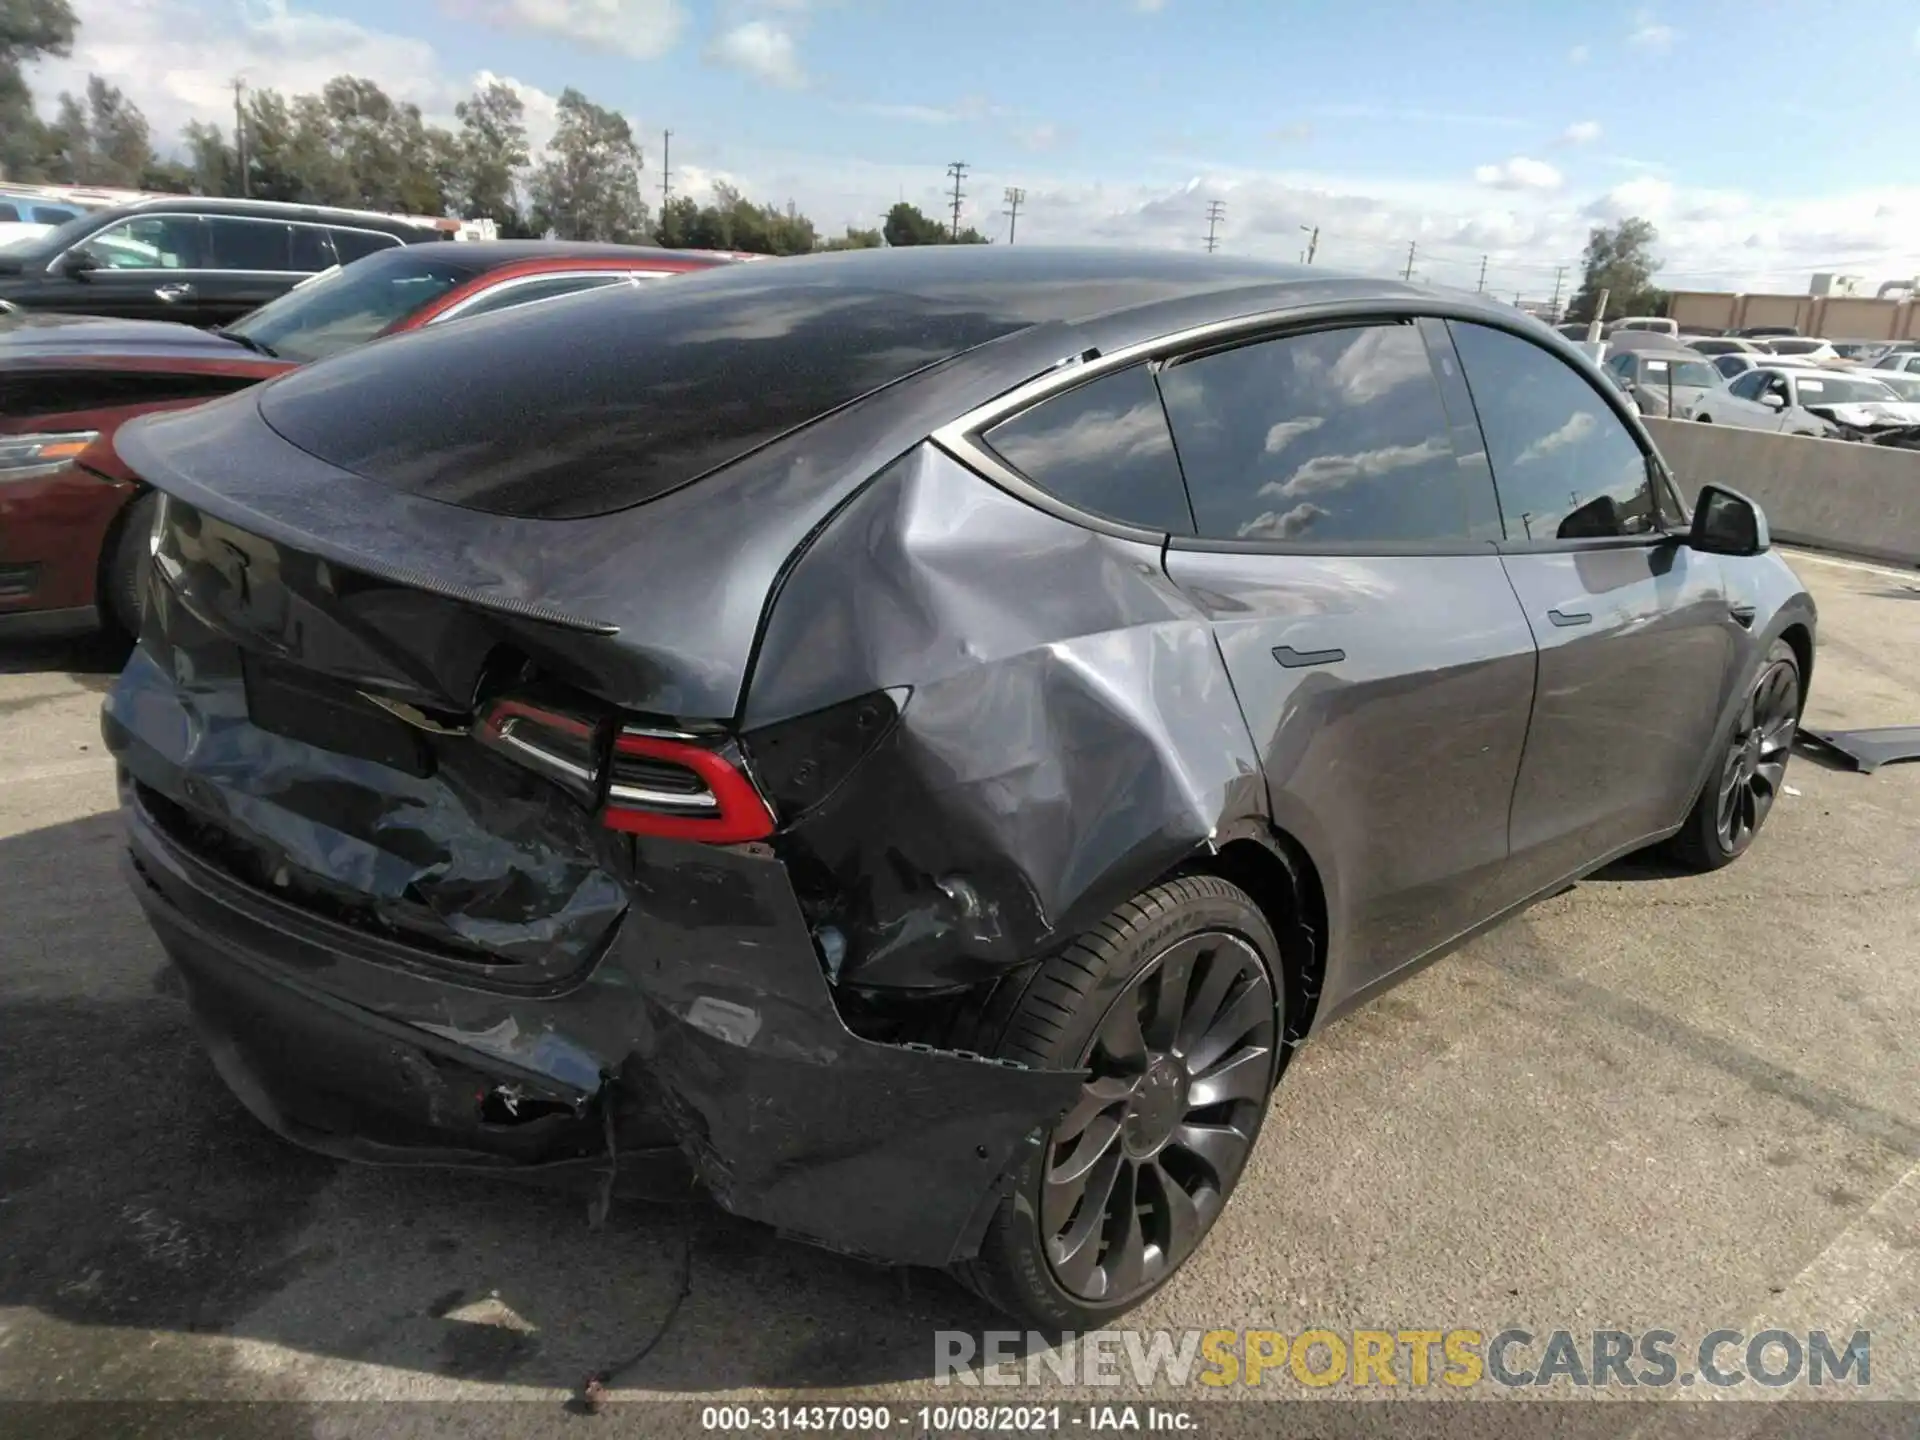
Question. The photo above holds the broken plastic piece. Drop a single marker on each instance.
(1869, 749)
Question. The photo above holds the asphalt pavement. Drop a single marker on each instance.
(1654, 1102)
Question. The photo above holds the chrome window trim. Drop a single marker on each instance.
(621, 277)
(962, 438)
(390, 239)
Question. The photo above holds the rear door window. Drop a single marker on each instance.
(312, 249)
(249, 244)
(350, 245)
(8, 212)
(1566, 466)
(1335, 437)
(1102, 447)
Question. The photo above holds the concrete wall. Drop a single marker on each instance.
(1838, 317)
(1836, 494)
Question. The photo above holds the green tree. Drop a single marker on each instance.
(102, 140)
(30, 30)
(493, 156)
(588, 186)
(211, 166)
(679, 223)
(396, 160)
(1620, 260)
(856, 240)
(906, 225)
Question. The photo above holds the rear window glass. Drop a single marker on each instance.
(616, 397)
(1102, 447)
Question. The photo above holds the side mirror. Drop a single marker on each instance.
(1774, 402)
(78, 264)
(1725, 522)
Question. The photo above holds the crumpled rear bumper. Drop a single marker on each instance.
(704, 1045)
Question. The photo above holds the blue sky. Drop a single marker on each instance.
(1500, 129)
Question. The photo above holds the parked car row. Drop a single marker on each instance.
(73, 520)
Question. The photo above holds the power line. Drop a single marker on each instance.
(1216, 211)
(957, 170)
(1014, 196)
(1553, 305)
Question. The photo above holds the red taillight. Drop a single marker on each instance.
(680, 790)
(565, 748)
(648, 782)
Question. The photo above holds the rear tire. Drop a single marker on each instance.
(1173, 1003)
(123, 580)
(1746, 778)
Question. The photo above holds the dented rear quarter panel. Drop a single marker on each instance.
(1069, 734)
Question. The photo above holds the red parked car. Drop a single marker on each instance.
(74, 521)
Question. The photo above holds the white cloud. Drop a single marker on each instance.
(1519, 173)
(1650, 35)
(642, 29)
(1578, 55)
(1149, 7)
(1581, 132)
(1284, 433)
(912, 114)
(1336, 472)
(1648, 196)
(760, 48)
(1579, 425)
(177, 60)
(1282, 527)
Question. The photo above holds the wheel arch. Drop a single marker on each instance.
(1800, 638)
(1280, 877)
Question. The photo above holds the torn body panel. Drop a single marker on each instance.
(1868, 750)
(1064, 742)
(704, 1044)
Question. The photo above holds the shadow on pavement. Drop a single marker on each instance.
(93, 660)
(136, 1195)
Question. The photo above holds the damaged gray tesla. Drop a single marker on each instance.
(909, 742)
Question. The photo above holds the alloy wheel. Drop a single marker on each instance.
(1756, 763)
(1180, 1070)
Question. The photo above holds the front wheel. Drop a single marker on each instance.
(123, 579)
(1752, 767)
(1173, 1007)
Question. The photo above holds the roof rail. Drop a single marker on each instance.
(100, 195)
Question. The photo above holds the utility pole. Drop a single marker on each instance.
(1313, 241)
(1014, 196)
(1216, 211)
(957, 170)
(240, 135)
(1481, 288)
(666, 168)
(1553, 306)
(1409, 270)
